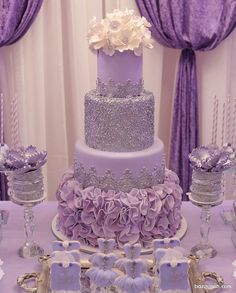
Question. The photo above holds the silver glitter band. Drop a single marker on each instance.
(119, 125)
(206, 186)
(108, 181)
(118, 90)
(27, 186)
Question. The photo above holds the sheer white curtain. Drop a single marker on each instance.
(51, 69)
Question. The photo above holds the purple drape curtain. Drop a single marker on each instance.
(188, 25)
(16, 17)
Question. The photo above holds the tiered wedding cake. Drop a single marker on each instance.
(119, 187)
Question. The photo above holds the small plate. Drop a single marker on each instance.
(90, 249)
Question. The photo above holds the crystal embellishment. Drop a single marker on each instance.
(113, 89)
(145, 179)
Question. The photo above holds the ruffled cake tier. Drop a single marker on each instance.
(85, 214)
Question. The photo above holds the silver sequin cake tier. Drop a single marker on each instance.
(119, 125)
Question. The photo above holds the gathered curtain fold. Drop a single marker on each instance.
(188, 25)
(16, 17)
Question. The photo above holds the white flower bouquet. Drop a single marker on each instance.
(120, 31)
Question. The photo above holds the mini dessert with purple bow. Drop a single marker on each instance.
(65, 245)
(134, 280)
(173, 275)
(171, 267)
(165, 243)
(102, 275)
(65, 269)
(160, 248)
(208, 163)
(132, 251)
(133, 277)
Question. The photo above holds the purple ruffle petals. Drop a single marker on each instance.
(140, 215)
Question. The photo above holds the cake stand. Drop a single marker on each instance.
(204, 249)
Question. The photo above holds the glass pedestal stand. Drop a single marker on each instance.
(30, 247)
(27, 190)
(204, 249)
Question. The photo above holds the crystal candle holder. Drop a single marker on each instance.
(206, 186)
(206, 192)
(27, 189)
(27, 186)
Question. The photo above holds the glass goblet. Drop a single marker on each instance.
(27, 190)
(206, 192)
(204, 249)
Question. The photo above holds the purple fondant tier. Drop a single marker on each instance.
(119, 125)
(120, 171)
(138, 216)
(119, 75)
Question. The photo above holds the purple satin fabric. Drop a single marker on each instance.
(194, 25)
(16, 17)
(185, 118)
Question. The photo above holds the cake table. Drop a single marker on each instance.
(14, 265)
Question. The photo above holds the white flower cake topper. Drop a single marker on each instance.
(120, 31)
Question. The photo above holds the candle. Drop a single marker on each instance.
(14, 123)
(228, 115)
(213, 122)
(223, 126)
(233, 123)
(216, 121)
